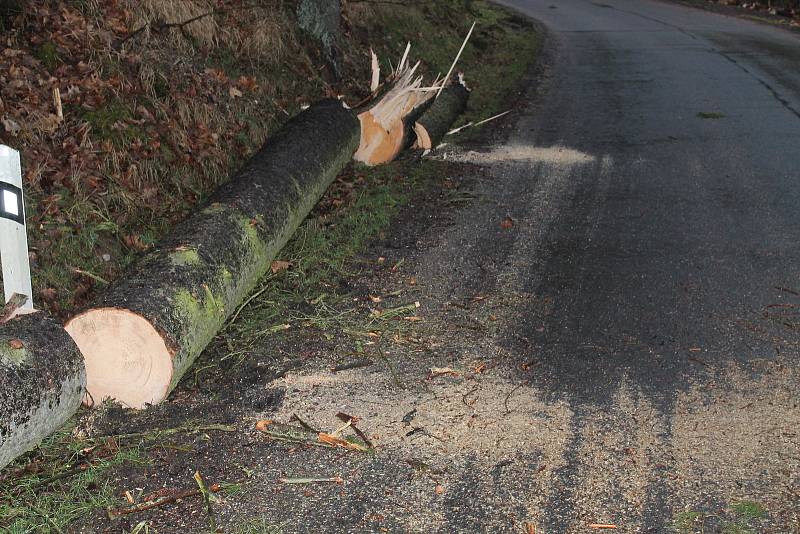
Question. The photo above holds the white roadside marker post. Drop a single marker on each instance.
(13, 236)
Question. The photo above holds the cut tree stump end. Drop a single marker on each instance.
(126, 358)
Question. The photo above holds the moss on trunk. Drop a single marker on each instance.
(42, 381)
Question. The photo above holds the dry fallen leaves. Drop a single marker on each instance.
(280, 265)
(248, 84)
(48, 295)
(135, 242)
(11, 126)
(16, 344)
(263, 425)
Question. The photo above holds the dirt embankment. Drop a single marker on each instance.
(129, 113)
(783, 13)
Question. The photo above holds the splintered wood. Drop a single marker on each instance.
(390, 121)
(385, 125)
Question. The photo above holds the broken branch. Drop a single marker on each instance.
(449, 72)
(310, 480)
(353, 420)
(484, 121)
(334, 441)
(114, 513)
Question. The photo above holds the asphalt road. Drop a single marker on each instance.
(668, 236)
(614, 316)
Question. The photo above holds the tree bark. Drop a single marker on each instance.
(42, 381)
(432, 126)
(322, 20)
(149, 327)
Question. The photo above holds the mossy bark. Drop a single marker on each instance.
(199, 273)
(444, 111)
(42, 381)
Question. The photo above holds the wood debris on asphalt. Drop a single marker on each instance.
(311, 480)
(436, 372)
(359, 433)
(355, 364)
(302, 423)
(336, 441)
(305, 434)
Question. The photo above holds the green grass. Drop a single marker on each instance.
(257, 526)
(72, 242)
(738, 519)
(47, 53)
(749, 509)
(735, 527)
(109, 122)
(685, 522)
(42, 503)
(44, 492)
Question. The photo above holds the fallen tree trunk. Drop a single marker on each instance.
(150, 326)
(42, 380)
(436, 121)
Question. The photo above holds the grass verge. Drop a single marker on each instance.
(62, 481)
(740, 517)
